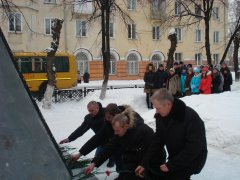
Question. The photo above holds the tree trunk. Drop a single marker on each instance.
(207, 41)
(105, 15)
(235, 57)
(173, 40)
(51, 69)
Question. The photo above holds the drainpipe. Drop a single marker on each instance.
(65, 25)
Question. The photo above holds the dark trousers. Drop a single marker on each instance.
(148, 100)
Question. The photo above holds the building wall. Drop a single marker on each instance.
(37, 40)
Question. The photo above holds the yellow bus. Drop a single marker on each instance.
(33, 67)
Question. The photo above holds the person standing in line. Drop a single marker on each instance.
(206, 81)
(216, 81)
(173, 83)
(149, 79)
(180, 129)
(183, 81)
(160, 78)
(188, 80)
(195, 81)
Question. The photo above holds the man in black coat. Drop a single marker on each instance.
(160, 77)
(133, 137)
(94, 120)
(103, 136)
(181, 130)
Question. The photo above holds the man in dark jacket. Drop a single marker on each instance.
(181, 130)
(103, 136)
(133, 137)
(94, 120)
(160, 78)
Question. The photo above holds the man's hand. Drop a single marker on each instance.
(64, 141)
(75, 157)
(164, 168)
(139, 171)
(89, 169)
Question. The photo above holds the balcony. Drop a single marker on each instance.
(82, 7)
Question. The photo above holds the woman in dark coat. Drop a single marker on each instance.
(149, 79)
(227, 80)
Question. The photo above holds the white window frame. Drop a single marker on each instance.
(15, 21)
(111, 29)
(80, 32)
(131, 4)
(178, 56)
(215, 13)
(216, 58)
(198, 59)
(113, 68)
(82, 65)
(50, 25)
(132, 31)
(50, 1)
(198, 35)
(178, 8)
(179, 34)
(156, 32)
(216, 37)
(133, 63)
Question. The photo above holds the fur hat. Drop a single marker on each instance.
(172, 69)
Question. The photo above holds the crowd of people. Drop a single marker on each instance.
(184, 80)
(175, 151)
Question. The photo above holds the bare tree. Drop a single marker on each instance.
(173, 39)
(51, 69)
(235, 56)
(234, 26)
(193, 13)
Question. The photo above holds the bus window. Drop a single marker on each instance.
(39, 64)
(25, 64)
(61, 64)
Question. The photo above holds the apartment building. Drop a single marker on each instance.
(27, 28)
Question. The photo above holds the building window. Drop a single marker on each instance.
(15, 22)
(216, 36)
(113, 64)
(132, 64)
(178, 8)
(198, 35)
(131, 31)
(82, 62)
(131, 4)
(48, 25)
(81, 28)
(178, 57)
(198, 59)
(179, 34)
(156, 60)
(215, 13)
(198, 9)
(216, 58)
(156, 32)
(111, 29)
(50, 1)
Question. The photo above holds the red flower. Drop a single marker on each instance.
(107, 172)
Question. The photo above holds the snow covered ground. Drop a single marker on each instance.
(220, 113)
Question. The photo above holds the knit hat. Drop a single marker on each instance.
(196, 70)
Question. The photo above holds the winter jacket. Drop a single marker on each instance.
(102, 137)
(95, 123)
(160, 79)
(205, 84)
(173, 84)
(183, 134)
(216, 82)
(133, 144)
(227, 81)
(183, 82)
(195, 83)
(149, 79)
